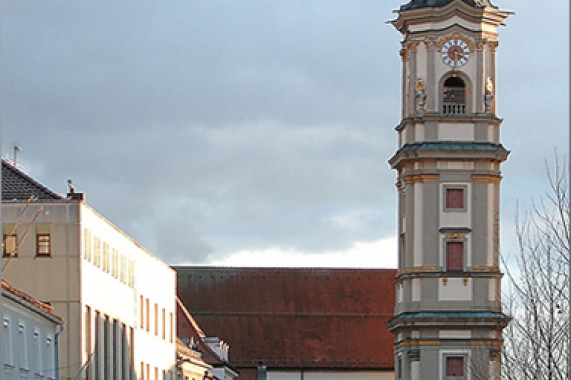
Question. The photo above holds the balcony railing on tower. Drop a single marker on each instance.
(454, 97)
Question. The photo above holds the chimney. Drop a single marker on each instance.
(76, 196)
(71, 194)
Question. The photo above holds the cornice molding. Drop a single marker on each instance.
(488, 178)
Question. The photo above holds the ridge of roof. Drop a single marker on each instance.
(284, 269)
(17, 185)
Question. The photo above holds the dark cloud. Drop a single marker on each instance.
(204, 128)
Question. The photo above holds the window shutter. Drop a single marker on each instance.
(454, 366)
(454, 256)
(454, 198)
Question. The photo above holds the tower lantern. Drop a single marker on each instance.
(448, 318)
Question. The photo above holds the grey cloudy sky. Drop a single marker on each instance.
(210, 129)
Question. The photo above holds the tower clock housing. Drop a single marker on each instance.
(448, 317)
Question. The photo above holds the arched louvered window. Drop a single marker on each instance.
(454, 96)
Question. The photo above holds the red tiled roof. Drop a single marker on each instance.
(295, 317)
(29, 299)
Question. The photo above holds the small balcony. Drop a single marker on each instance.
(454, 109)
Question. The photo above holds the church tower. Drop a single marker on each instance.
(448, 317)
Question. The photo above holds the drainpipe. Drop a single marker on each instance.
(262, 370)
(56, 346)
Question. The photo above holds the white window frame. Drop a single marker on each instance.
(7, 347)
(50, 357)
(458, 352)
(23, 342)
(464, 189)
(38, 352)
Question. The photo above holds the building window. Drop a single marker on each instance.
(142, 312)
(124, 351)
(454, 199)
(97, 343)
(105, 266)
(43, 245)
(454, 96)
(122, 275)
(37, 352)
(22, 342)
(454, 256)
(97, 252)
(164, 323)
(89, 246)
(10, 246)
(156, 319)
(171, 325)
(50, 357)
(7, 349)
(85, 244)
(132, 342)
(116, 256)
(87, 330)
(113, 262)
(131, 273)
(455, 367)
(107, 345)
(147, 314)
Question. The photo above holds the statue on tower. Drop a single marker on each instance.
(489, 95)
(420, 96)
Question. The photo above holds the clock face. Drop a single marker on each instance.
(455, 52)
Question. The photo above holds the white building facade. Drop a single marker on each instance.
(116, 298)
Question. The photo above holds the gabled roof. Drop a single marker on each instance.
(16, 185)
(295, 317)
(415, 4)
(188, 330)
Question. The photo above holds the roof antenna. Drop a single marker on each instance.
(14, 160)
(17, 148)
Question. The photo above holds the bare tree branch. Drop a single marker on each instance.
(536, 341)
